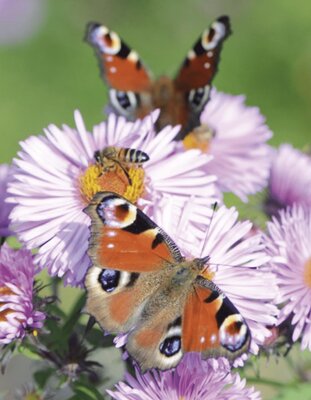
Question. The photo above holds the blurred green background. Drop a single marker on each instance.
(48, 74)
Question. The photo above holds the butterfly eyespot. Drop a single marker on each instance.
(109, 279)
(103, 39)
(198, 97)
(123, 102)
(170, 346)
(233, 333)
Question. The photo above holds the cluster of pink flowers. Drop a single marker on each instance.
(267, 276)
(17, 313)
(192, 379)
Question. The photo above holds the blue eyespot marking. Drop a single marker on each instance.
(109, 279)
(170, 346)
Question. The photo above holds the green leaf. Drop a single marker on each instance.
(301, 391)
(73, 316)
(7, 352)
(87, 392)
(28, 351)
(96, 337)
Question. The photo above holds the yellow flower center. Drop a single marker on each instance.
(207, 274)
(95, 180)
(307, 273)
(199, 138)
(3, 292)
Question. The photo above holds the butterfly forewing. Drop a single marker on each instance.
(120, 66)
(200, 65)
(123, 237)
(219, 327)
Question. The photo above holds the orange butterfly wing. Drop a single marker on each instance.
(124, 238)
(120, 66)
(211, 323)
(200, 66)
(127, 249)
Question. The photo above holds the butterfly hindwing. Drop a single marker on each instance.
(156, 340)
(114, 298)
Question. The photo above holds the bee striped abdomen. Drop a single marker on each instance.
(134, 156)
(121, 155)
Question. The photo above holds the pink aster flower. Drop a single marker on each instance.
(236, 138)
(237, 265)
(289, 244)
(290, 179)
(4, 207)
(17, 313)
(56, 175)
(191, 379)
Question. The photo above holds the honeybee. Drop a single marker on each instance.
(111, 156)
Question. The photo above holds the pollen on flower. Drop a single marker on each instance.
(96, 180)
(199, 138)
(136, 189)
(89, 185)
(307, 272)
(207, 274)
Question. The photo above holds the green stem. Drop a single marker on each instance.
(269, 382)
(55, 285)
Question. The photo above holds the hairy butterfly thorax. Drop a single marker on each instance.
(140, 284)
(134, 93)
(116, 169)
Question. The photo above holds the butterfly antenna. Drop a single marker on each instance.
(209, 228)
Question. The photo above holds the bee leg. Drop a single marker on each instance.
(125, 172)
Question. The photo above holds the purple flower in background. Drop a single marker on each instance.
(191, 379)
(56, 176)
(235, 135)
(20, 19)
(5, 208)
(290, 179)
(17, 313)
(289, 245)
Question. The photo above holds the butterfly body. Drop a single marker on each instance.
(162, 94)
(134, 93)
(140, 284)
